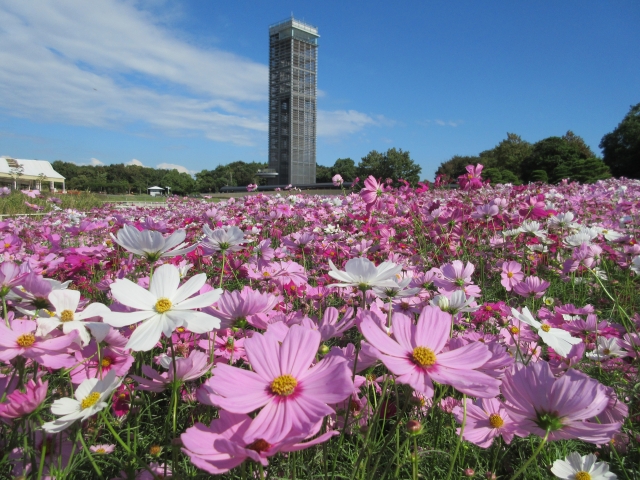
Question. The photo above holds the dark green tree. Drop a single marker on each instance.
(394, 164)
(621, 148)
(564, 157)
(455, 166)
(346, 168)
(509, 154)
(323, 174)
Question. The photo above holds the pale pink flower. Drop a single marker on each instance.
(293, 395)
(416, 355)
(372, 192)
(190, 368)
(539, 402)
(511, 275)
(228, 442)
(487, 419)
(18, 404)
(455, 276)
(531, 287)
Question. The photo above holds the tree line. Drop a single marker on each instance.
(552, 159)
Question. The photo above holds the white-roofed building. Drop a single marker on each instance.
(29, 173)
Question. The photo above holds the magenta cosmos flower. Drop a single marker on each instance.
(537, 401)
(487, 419)
(293, 395)
(416, 355)
(19, 404)
(372, 192)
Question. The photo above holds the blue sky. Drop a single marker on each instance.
(184, 84)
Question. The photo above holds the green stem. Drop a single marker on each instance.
(222, 270)
(533, 456)
(43, 455)
(464, 421)
(125, 446)
(88, 454)
(4, 312)
(174, 407)
(414, 460)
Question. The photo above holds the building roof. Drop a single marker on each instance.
(31, 169)
(155, 188)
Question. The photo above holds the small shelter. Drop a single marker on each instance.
(155, 191)
(20, 173)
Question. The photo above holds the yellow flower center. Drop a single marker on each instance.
(163, 305)
(284, 385)
(423, 356)
(155, 450)
(510, 275)
(100, 451)
(266, 274)
(514, 330)
(90, 400)
(66, 316)
(106, 362)
(7, 245)
(496, 420)
(582, 475)
(26, 340)
(545, 327)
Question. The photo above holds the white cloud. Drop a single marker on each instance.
(95, 162)
(108, 64)
(173, 166)
(135, 161)
(343, 122)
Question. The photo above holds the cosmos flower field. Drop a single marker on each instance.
(480, 332)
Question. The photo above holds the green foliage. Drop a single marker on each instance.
(13, 204)
(455, 166)
(621, 148)
(346, 168)
(564, 157)
(323, 174)
(496, 176)
(394, 164)
(539, 176)
(509, 155)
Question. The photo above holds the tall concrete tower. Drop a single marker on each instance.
(293, 71)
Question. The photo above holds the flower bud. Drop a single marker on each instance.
(414, 427)
(324, 349)
(469, 472)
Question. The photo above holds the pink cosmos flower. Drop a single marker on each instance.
(471, 180)
(293, 395)
(511, 275)
(416, 355)
(372, 192)
(227, 442)
(539, 402)
(455, 275)
(337, 180)
(190, 368)
(21, 339)
(103, 449)
(19, 404)
(487, 419)
(235, 307)
(531, 287)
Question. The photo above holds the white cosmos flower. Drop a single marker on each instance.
(225, 239)
(91, 396)
(455, 303)
(162, 308)
(584, 235)
(560, 340)
(563, 220)
(606, 348)
(152, 244)
(400, 290)
(363, 274)
(65, 303)
(635, 264)
(534, 228)
(575, 467)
